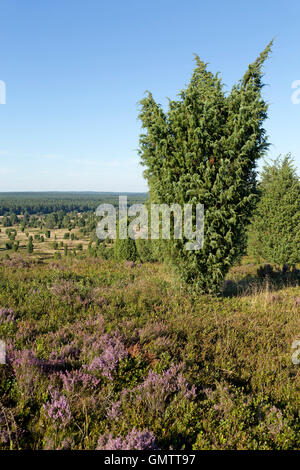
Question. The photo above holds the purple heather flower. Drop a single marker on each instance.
(115, 410)
(274, 421)
(7, 315)
(26, 359)
(113, 351)
(66, 444)
(165, 384)
(135, 440)
(4, 434)
(58, 409)
(78, 378)
(155, 392)
(17, 262)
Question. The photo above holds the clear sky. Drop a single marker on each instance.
(75, 71)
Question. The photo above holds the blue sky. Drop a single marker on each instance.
(75, 71)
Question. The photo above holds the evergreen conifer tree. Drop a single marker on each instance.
(204, 149)
(30, 246)
(274, 234)
(125, 250)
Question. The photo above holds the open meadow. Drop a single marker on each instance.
(105, 354)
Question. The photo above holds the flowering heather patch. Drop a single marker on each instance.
(112, 361)
(155, 393)
(274, 421)
(25, 361)
(27, 330)
(75, 294)
(115, 411)
(65, 290)
(67, 352)
(61, 338)
(4, 428)
(7, 315)
(164, 385)
(135, 440)
(66, 444)
(9, 432)
(16, 262)
(58, 410)
(113, 351)
(25, 358)
(77, 379)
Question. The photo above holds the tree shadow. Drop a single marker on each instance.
(266, 278)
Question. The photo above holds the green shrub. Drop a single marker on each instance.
(146, 250)
(125, 250)
(57, 255)
(105, 252)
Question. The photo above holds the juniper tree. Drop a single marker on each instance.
(30, 246)
(125, 249)
(204, 149)
(274, 234)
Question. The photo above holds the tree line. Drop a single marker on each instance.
(46, 203)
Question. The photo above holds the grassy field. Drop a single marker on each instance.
(113, 355)
(45, 248)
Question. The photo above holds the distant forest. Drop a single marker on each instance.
(47, 202)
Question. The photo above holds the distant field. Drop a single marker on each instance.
(45, 248)
(42, 204)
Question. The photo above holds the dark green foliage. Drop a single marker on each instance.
(7, 222)
(57, 255)
(15, 246)
(204, 149)
(274, 234)
(125, 250)
(104, 251)
(8, 245)
(11, 233)
(145, 250)
(64, 202)
(30, 245)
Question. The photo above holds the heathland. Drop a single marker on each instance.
(121, 354)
